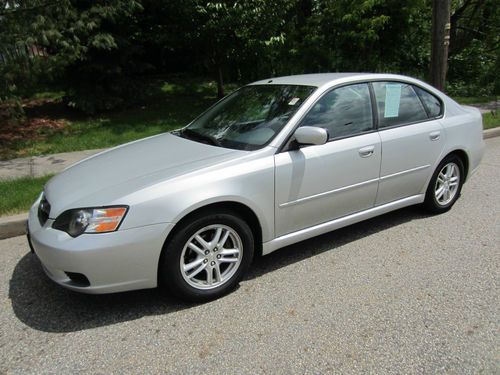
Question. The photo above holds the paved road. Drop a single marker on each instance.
(403, 293)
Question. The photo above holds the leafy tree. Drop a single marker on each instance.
(474, 47)
(89, 48)
(104, 58)
(238, 33)
(20, 60)
(99, 52)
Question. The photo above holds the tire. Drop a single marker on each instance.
(445, 185)
(192, 255)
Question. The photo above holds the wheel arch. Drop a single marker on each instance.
(460, 153)
(237, 208)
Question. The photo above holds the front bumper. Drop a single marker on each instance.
(112, 262)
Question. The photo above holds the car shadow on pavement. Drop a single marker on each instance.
(331, 240)
(45, 306)
(42, 305)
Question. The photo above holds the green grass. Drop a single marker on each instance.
(19, 194)
(467, 100)
(53, 95)
(171, 104)
(491, 120)
(116, 128)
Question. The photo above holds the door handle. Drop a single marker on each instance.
(434, 136)
(366, 151)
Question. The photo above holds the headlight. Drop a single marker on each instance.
(90, 220)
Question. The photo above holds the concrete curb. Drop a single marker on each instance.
(490, 133)
(11, 226)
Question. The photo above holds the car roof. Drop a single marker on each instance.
(318, 79)
(328, 80)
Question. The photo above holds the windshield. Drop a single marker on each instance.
(249, 118)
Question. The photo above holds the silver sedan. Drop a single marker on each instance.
(276, 162)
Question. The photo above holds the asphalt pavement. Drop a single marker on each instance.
(402, 293)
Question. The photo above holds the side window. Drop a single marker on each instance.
(397, 104)
(343, 112)
(432, 104)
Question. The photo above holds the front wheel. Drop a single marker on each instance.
(445, 185)
(207, 257)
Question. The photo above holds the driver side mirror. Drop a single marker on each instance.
(311, 135)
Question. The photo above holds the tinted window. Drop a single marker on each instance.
(432, 104)
(397, 104)
(344, 111)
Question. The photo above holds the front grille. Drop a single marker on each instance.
(43, 211)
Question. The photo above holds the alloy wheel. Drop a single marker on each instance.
(211, 256)
(447, 184)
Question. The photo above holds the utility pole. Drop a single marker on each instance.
(440, 42)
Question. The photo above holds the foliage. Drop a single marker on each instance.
(18, 195)
(171, 104)
(89, 49)
(100, 52)
(372, 35)
(491, 120)
(103, 73)
(474, 48)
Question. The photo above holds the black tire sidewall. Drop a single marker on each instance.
(169, 270)
(430, 199)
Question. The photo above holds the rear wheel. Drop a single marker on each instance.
(207, 257)
(445, 185)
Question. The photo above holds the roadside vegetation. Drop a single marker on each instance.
(18, 195)
(53, 127)
(471, 100)
(491, 120)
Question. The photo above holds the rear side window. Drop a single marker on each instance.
(398, 104)
(432, 104)
(344, 111)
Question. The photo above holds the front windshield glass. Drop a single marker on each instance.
(249, 118)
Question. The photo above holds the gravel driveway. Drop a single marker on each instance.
(402, 293)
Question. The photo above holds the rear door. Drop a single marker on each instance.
(412, 138)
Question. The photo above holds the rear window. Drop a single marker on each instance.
(431, 103)
(397, 104)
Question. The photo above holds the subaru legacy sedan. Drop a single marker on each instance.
(276, 162)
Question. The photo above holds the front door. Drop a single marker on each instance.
(316, 184)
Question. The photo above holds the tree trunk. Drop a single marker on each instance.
(440, 42)
(220, 82)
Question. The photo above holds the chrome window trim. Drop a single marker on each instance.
(284, 146)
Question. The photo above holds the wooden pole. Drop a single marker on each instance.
(440, 42)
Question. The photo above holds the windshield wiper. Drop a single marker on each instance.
(195, 136)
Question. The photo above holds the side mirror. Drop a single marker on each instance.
(311, 135)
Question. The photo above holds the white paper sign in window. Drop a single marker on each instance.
(392, 99)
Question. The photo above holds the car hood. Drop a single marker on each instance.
(108, 176)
